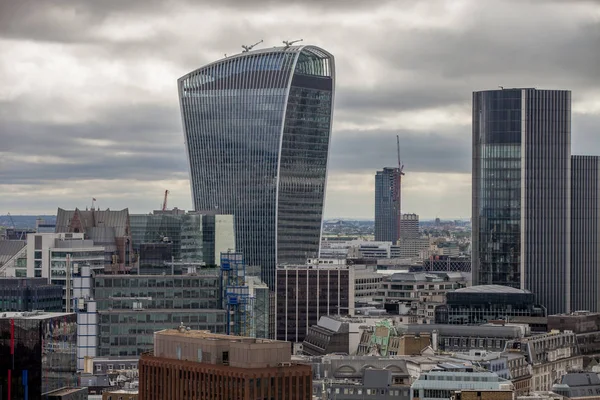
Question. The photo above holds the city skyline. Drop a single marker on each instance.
(89, 107)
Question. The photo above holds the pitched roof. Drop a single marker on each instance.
(119, 220)
(8, 248)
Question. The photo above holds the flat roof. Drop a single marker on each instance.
(215, 336)
(33, 315)
(491, 289)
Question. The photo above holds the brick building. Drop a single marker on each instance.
(201, 365)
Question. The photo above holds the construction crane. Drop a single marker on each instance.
(248, 48)
(400, 165)
(164, 204)
(289, 43)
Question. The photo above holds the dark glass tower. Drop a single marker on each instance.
(522, 192)
(585, 233)
(388, 211)
(257, 129)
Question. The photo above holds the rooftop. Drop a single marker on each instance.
(213, 336)
(32, 315)
(491, 289)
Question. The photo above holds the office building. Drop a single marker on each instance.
(38, 353)
(578, 385)
(304, 293)
(132, 307)
(388, 210)
(477, 305)
(105, 228)
(190, 364)
(29, 294)
(409, 227)
(376, 384)
(176, 235)
(585, 233)
(442, 382)
(522, 192)
(257, 129)
(585, 325)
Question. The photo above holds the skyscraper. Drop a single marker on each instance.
(522, 192)
(388, 211)
(585, 233)
(257, 129)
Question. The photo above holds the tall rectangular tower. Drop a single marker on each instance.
(585, 233)
(257, 129)
(388, 211)
(522, 192)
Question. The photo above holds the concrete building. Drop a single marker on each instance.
(585, 233)
(409, 227)
(585, 325)
(550, 355)
(445, 380)
(578, 385)
(253, 155)
(522, 192)
(376, 384)
(418, 293)
(220, 366)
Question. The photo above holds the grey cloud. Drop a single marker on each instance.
(365, 151)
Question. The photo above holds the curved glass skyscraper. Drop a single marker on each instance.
(257, 129)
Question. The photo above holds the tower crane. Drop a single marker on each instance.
(289, 43)
(164, 204)
(248, 48)
(400, 165)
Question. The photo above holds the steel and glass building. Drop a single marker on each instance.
(522, 192)
(585, 233)
(388, 210)
(257, 130)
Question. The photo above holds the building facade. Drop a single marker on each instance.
(409, 227)
(304, 293)
(131, 308)
(477, 305)
(521, 195)
(38, 353)
(388, 208)
(585, 233)
(190, 364)
(257, 129)
(29, 294)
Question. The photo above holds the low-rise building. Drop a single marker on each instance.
(585, 325)
(198, 364)
(477, 305)
(376, 384)
(550, 355)
(444, 381)
(578, 386)
(419, 293)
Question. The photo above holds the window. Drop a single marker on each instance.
(109, 367)
(98, 367)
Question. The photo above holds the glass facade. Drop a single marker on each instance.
(38, 353)
(388, 212)
(468, 307)
(522, 192)
(28, 294)
(257, 128)
(131, 308)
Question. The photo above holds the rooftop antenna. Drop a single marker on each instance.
(501, 87)
(248, 48)
(288, 43)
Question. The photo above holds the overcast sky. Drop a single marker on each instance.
(89, 108)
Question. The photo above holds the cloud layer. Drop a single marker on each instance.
(88, 100)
